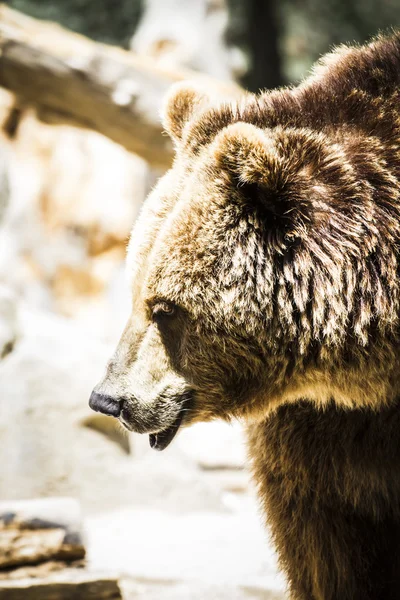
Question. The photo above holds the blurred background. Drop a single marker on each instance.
(183, 524)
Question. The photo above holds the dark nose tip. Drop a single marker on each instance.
(105, 404)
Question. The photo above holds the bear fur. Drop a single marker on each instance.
(265, 286)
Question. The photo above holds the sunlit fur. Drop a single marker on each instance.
(276, 234)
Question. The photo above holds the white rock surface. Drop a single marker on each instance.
(215, 445)
(146, 590)
(8, 320)
(196, 550)
(4, 181)
(63, 512)
(44, 383)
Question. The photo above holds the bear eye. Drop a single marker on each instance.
(162, 310)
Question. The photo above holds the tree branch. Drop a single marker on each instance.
(70, 79)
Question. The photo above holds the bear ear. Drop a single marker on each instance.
(249, 155)
(263, 175)
(181, 104)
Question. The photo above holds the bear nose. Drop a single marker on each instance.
(105, 404)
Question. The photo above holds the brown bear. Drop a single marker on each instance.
(265, 287)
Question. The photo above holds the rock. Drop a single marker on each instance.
(38, 571)
(214, 446)
(4, 182)
(195, 550)
(8, 320)
(150, 590)
(45, 384)
(41, 552)
(36, 531)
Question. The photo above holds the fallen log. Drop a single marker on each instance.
(70, 79)
(35, 531)
(69, 584)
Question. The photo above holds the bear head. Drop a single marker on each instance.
(261, 272)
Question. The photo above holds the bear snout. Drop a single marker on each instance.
(104, 404)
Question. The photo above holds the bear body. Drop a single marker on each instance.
(329, 484)
(265, 287)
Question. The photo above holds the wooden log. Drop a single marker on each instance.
(70, 584)
(35, 531)
(70, 79)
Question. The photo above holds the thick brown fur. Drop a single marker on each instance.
(265, 286)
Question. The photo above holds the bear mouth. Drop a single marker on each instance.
(162, 439)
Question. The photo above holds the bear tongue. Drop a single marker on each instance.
(162, 439)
